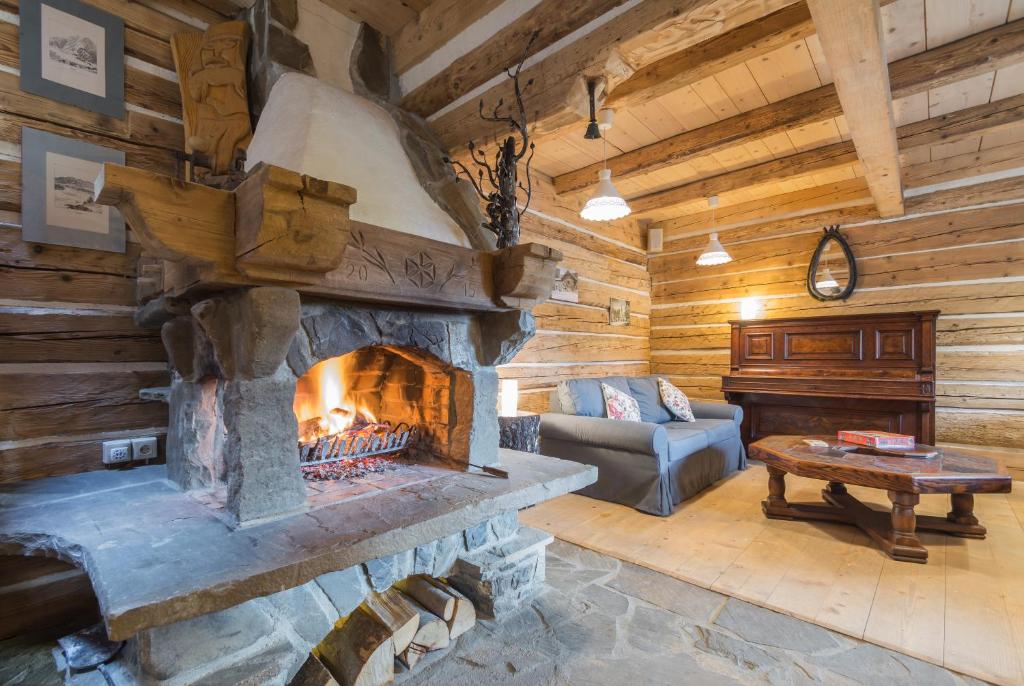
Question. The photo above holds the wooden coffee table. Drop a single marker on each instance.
(904, 478)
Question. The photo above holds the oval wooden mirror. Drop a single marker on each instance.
(832, 274)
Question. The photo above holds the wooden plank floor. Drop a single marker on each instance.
(963, 610)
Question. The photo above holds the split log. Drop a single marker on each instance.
(422, 589)
(431, 635)
(397, 612)
(313, 673)
(360, 651)
(464, 617)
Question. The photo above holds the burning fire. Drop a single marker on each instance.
(325, 404)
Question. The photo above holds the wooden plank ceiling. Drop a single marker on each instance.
(736, 97)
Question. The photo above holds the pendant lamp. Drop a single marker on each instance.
(714, 254)
(605, 204)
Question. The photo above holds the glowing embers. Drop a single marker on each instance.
(354, 452)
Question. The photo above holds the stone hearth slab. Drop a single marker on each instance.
(157, 556)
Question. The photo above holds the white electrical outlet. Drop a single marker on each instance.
(144, 448)
(117, 452)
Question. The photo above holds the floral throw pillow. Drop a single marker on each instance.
(620, 405)
(676, 401)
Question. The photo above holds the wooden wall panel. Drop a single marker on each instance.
(969, 264)
(72, 362)
(574, 340)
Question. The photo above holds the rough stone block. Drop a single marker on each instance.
(503, 335)
(423, 558)
(195, 434)
(310, 613)
(477, 536)
(505, 525)
(501, 578)
(385, 571)
(165, 651)
(345, 588)
(260, 457)
(446, 552)
(251, 330)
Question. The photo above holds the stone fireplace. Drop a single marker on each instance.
(332, 424)
(266, 382)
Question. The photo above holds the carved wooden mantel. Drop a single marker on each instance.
(287, 229)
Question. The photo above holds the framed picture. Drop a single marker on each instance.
(57, 179)
(567, 286)
(73, 53)
(618, 312)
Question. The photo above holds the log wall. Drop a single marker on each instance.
(574, 339)
(968, 263)
(71, 360)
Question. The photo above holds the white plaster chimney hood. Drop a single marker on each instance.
(313, 128)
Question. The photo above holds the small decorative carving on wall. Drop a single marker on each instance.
(211, 75)
(420, 270)
(501, 179)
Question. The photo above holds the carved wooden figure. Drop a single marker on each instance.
(211, 75)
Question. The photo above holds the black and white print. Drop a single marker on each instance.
(567, 286)
(73, 51)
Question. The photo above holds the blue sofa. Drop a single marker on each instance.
(651, 465)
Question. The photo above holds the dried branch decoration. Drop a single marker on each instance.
(497, 184)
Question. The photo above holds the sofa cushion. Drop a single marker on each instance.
(583, 398)
(683, 440)
(619, 405)
(717, 430)
(675, 401)
(645, 390)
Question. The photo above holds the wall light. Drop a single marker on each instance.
(750, 308)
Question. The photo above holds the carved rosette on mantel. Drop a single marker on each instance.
(261, 283)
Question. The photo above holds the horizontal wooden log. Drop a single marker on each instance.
(51, 596)
(39, 336)
(554, 315)
(979, 395)
(577, 348)
(548, 376)
(553, 230)
(949, 299)
(136, 127)
(37, 404)
(980, 428)
(61, 457)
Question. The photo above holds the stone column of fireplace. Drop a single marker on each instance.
(231, 401)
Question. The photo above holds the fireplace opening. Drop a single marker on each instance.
(371, 411)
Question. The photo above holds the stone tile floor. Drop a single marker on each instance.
(604, 622)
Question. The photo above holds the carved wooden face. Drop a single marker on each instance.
(222, 51)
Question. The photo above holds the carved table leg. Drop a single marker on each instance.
(904, 544)
(836, 488)
(776, 504)
(961, 520)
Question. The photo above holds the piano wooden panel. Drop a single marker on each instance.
(816, 375)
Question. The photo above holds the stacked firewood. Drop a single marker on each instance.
(389, 634)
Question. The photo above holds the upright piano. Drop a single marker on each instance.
(817, 375)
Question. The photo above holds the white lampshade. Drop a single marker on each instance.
(605, 204)
(713, 254)
(827, 280)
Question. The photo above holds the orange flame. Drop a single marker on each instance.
(322, 394)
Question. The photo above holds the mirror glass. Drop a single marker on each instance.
(832, 272)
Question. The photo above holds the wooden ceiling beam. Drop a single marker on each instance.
(714, 55)
(852, 39)
(613, 51)
(551, 19)
(387, 16)
(948, 128)
(977, 54)
(437, 24)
